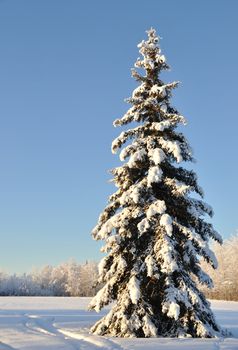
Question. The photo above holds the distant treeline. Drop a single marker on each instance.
(73, 279)
(225, 278)
(67, 279)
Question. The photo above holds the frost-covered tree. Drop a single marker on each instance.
(154, 225)
(225, 278)
(89, 276)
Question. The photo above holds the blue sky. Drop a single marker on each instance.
(64, 73)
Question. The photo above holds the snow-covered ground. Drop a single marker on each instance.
(40, 323)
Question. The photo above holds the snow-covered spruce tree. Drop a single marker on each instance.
(155, 232)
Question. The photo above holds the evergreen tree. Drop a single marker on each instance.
(155, 231)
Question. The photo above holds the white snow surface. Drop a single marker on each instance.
(60, 323)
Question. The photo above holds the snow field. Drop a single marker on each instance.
(61, 323)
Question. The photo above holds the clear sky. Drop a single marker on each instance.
(64, 73)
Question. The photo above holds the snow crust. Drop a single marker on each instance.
(63, 323)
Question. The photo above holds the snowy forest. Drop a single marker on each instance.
(66, 279)
(73, 279)
(225, 278)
